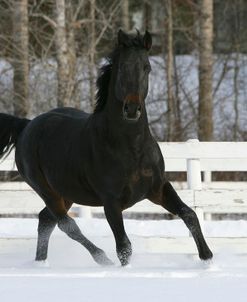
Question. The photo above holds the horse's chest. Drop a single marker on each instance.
(137, 186)
(144, 174)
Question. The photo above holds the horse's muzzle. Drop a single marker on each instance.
(132, 111)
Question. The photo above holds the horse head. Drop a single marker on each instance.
(123, 81)
(132, 71)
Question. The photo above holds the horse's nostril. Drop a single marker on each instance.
(139, 108)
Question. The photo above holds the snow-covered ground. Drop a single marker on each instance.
(152, 276)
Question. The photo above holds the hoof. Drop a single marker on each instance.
(101, 258)
(41, 263)
(124, 256)
(206, 255)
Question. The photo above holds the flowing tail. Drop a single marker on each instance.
(10, 129)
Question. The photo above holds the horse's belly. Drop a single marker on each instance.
(83, 197)
(77, 192)
(86, 198)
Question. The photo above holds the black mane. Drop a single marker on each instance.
(103, 83)
(103, 80)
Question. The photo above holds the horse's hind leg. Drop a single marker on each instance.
(69, 226)
(58, 208)
(47, 223)
(170, 200)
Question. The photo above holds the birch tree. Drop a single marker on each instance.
(65, 57)
(205, 114)
(146, 15)
(20, 58)
(125, 15)
(92, 51)
(170, 71)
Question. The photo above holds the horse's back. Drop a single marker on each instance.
(50, 135)
(71, 112)
(56, 122)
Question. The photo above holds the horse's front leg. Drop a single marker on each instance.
(114, 217)
(170, 200)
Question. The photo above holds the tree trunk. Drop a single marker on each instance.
(171, 108)
(74, 99)
(205, 114)
(20, 61)
(236, 99)
(65, 74)
(92, 55)
(125, 15)
(146, 15)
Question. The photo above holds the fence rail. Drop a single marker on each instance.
(193, 157)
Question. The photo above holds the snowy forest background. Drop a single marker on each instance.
(50, 51)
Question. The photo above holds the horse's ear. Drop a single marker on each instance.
(122, 37)
(147, 40)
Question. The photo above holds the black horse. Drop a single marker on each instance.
(108, 158)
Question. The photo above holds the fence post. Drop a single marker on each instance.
(194, 170)
(207, 177)
(207, 182)
(194, 180)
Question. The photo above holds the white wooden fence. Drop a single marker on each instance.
(192, 157)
